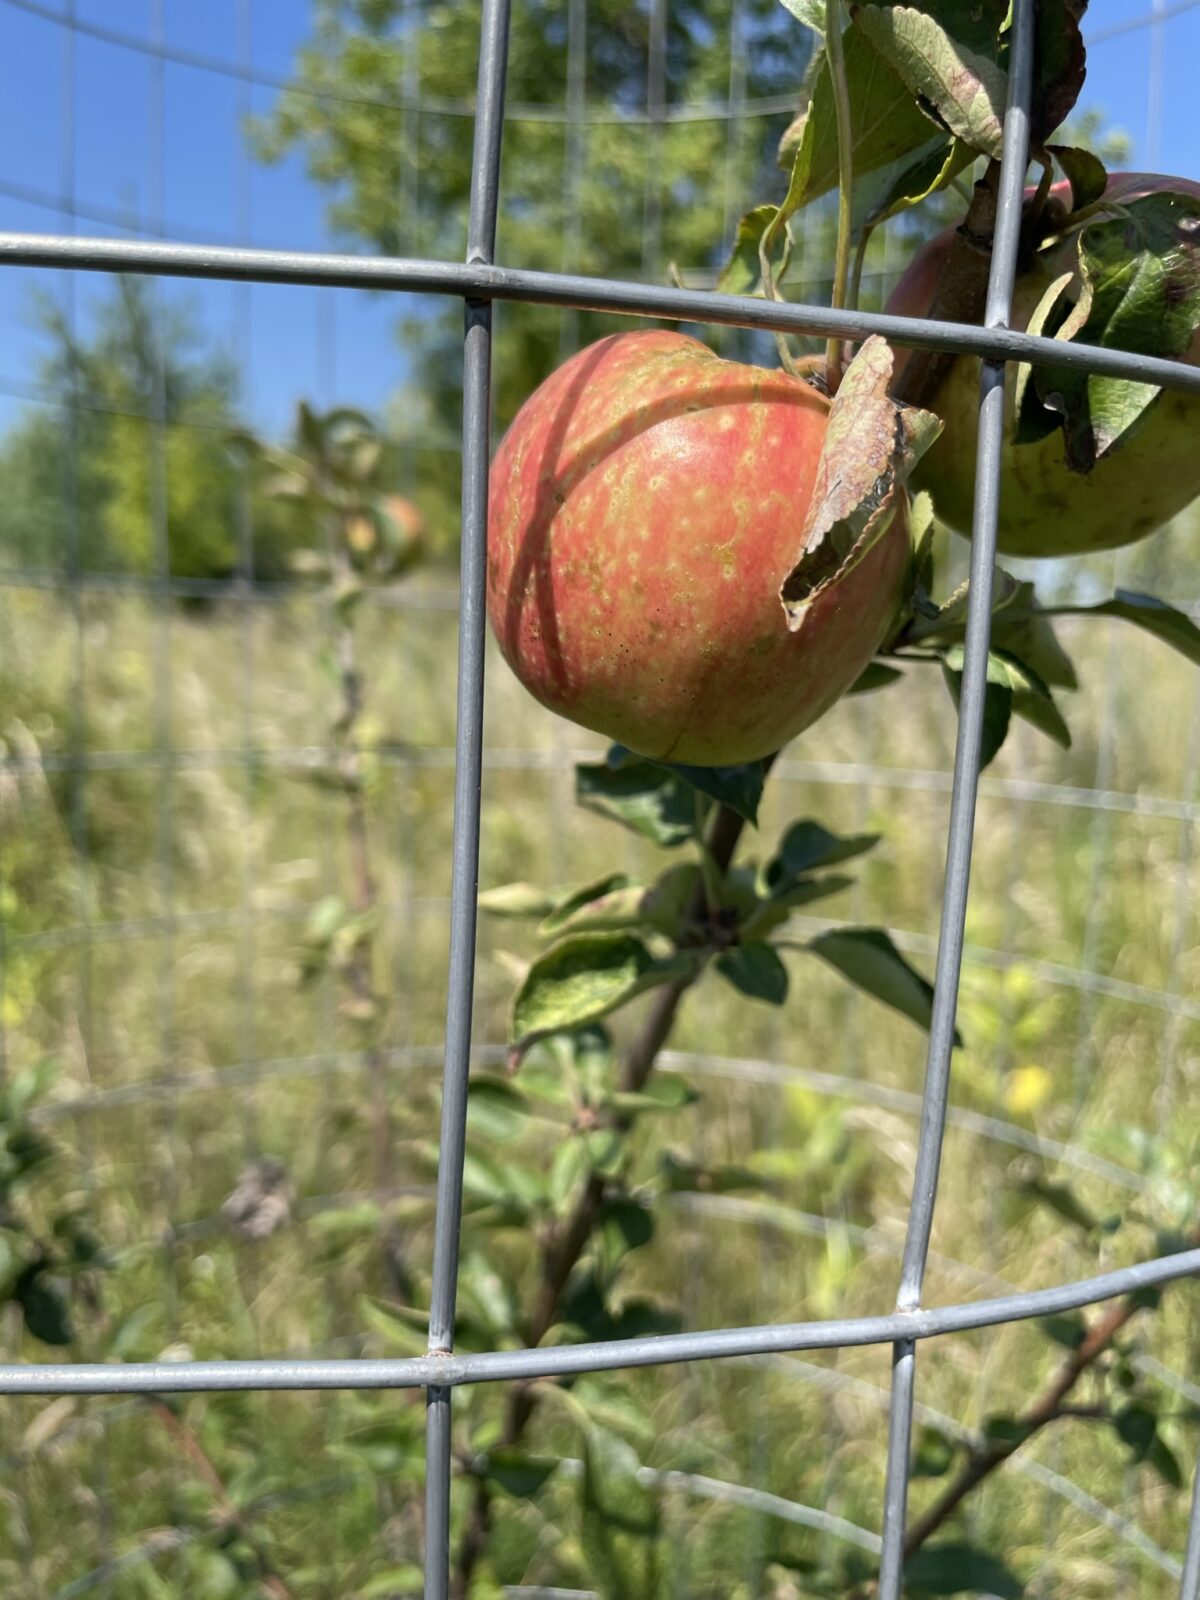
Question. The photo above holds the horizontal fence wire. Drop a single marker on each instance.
(442, 1371)
(478, 282)
(822, 1377)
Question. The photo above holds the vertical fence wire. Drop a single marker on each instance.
(468, 772)
(243, 333)
(967, 761)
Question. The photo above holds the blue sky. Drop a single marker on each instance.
(326, 345)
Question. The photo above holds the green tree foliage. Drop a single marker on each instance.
(593, 180)
(103, 486)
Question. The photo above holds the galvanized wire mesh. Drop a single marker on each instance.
(478, 283)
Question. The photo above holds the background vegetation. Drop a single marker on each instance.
(224, 846)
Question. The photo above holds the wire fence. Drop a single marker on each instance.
(479, 283)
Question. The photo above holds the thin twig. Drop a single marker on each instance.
(187, 1442)
(841, 105)
(567, 1244)
(1048, 1408)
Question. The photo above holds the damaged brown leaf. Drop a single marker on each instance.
(872, 443)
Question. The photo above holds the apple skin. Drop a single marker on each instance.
(646, 505)
(1046, 509)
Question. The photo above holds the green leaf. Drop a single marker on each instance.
(341, 1223)
(756, 970)
(45, 1308)
(670, 898)
(947, 623)
(495, 1300)
(773, 912)
(624, 1225)
(1010, 1431)
(610, 902)
(739, 789)
(325, 918)
(868, 958)
(807, 846)
(605, 1150)
(1059, 66)
(943, 1569)
(24, 1151)
(660, 1094)
(888, 130)
(876, 675)
(1035, 420)
(495, 1106)
(386, 1448)
(1137, 1428)
(997, 699)
(583, 978)
(1068, 1329)
(606, 1401)
(585, 1307)
(1145, 612)
(1163, 1459)
(135, 1335)
(1085, 172)
(482, 1177)
(960, 78)
(567, 1171)
(407, 1332)
(810, 12)
(1032, 700)
(25, 1088)
(619, 1518)
(516, 900)
(1062, 1200)
(742, 273)
(907, 181)
(1141, 292)
(517, 1472)
(641, 796)
(1022, 630)
(404, 1579)
(934, 1454)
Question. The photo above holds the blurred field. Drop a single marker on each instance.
(166, 834)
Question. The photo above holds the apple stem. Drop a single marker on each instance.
(841, 103)
(961, 290)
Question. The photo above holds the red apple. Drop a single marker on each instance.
(1046, 509)
(646, 505)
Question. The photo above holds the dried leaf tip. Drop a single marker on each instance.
(872, 443)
